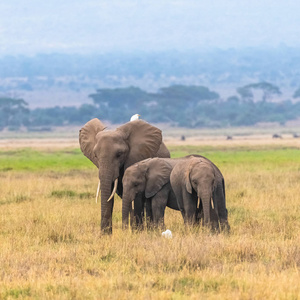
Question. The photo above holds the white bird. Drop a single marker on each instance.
(135, 117)
(167, 234)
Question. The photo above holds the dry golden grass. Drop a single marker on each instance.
(51, 246)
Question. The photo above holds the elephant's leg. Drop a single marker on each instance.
(131, 214)
(139, 212)
(158, 210)
(149, 216)
(177, 191)
(190, 208)
(214, 220)
(222, 211)
(106, 216)
(159, 203)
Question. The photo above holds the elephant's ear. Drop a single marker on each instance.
(191, 163)
(87, 138)
(158, 174)
(143, 139)
(188, 185)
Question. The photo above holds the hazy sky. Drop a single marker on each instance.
(91, 26)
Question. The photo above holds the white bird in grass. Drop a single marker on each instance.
(135, 117)
(167, 234)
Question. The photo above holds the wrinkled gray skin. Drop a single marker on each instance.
(113, 151)
(150, 177)
(195, 178)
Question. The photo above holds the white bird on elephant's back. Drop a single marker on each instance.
(135, 117)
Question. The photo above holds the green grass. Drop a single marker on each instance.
(270, 158)
(66, 160)
(35, 160)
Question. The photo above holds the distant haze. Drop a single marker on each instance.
(92, 26)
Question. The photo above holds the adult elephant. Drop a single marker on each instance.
(113, 151)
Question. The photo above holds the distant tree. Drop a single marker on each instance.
(118, 105)
(13, 112)
(268, 90)
(177, 101)
(245, 93)
(187, 95)
(130, 97)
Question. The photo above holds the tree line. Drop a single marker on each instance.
(179, 105)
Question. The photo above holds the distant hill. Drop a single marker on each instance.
(65, 79)
(280, 65)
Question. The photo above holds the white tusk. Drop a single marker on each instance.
(98, 189)
(114, 190)
(212, 203)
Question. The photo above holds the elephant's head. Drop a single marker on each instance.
(147, 176)
(200, 176)
(112, 151)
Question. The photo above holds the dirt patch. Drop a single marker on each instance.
(51, 143)
(213, 141)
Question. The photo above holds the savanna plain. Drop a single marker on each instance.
(51, 246)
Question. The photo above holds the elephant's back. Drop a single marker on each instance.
(209, 161)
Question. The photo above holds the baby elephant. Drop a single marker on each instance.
(198, 178)
(148, 179)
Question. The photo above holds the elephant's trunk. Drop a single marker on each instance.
(206, 200)
(126, 210)
(106, 179)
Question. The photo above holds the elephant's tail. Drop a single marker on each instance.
(223, 183)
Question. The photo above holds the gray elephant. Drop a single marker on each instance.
(113, 151)
(197, 177)
(149, 178)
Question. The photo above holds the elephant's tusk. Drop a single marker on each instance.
(114, 190)
(212, 203)
(98, 189)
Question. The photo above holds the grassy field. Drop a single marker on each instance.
(51, 246)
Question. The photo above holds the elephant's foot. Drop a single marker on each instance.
(138, 227)
(215, 227)
(225, 227)
(106, 230)
(106, 227)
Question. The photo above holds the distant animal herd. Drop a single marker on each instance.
(274, 136)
